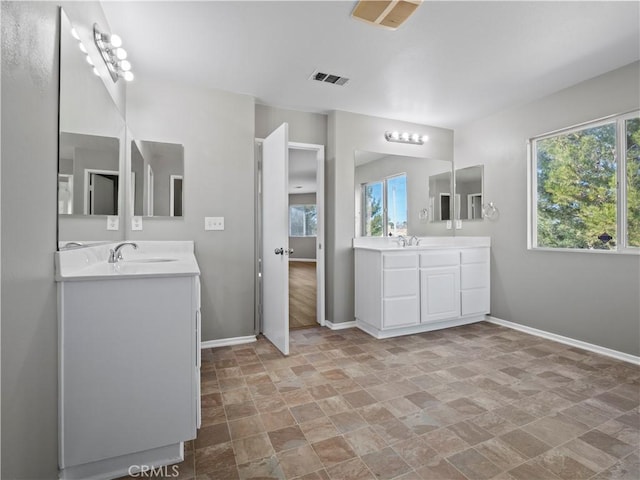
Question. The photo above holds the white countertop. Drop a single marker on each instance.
(392, 244)
(151, 259)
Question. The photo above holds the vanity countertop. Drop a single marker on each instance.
(392, 244)
(151, 259)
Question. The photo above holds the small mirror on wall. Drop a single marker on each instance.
(157, 175)
(469, 191)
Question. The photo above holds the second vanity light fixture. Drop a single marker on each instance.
(406, 137)
(114, 56)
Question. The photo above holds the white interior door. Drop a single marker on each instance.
(275, 238)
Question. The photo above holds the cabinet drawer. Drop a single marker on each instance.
(397, 283)
(474, 275)
(439, 259)
(474, 255)
(475, 301)
(401, 260)
(400, 312)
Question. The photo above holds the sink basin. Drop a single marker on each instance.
(150, 260)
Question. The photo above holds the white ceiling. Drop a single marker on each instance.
(450, 63)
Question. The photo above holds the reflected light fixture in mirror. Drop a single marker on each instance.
(114, 56)
(406, 137)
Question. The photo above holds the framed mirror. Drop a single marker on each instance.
(393, 194)
(157, 179)
(469, 190)
(91, 146)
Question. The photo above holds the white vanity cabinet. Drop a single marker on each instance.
(129, 367)
(399, 291)
(439, 285)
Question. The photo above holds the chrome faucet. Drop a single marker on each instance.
(402, 240)
(115, 254)
(412, 239)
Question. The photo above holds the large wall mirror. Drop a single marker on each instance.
(91, 147)
(394, 195)
(469, 193)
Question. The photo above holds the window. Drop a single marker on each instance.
(586, 187)
(303, 221)
(384, 209)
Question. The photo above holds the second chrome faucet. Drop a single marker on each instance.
(115, 255)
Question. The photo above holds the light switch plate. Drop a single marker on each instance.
(449, 226)
(113, 222)
(136, 223)
(214, 223)
(458, 224)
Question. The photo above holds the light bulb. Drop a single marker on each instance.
(415, 137)
(121, 53)
(115, 40)
(395, 135)
(96, 72)
(74, 34)
(425, 138)
(89, 61)
(83, 49)
(125, 65)
(128, 76)
(405, 136)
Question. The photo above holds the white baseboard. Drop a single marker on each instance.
(625, 357)
(226, 342)
(302, 260)
(339, 326)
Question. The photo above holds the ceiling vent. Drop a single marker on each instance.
(389, 14)
(329, 78)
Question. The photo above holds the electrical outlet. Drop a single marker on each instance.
(458, 224)
(214, 223)
(113, 222)
(136, 223)
(449, 226)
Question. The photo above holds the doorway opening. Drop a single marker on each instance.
(299, 250)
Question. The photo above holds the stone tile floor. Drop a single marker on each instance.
(474, 402)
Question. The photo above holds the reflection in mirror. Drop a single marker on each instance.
(392, 194)
(88, 174)
(440, 205)
(91, 146)
(469, 189)
(157, 173)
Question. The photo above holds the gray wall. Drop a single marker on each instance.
(217, 131)
(29, 163)
(588, 296)
(303, 247)
(348, 132)
(304, 127)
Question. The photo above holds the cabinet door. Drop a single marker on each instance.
(439, 293)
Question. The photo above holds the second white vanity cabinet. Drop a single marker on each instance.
(399, 291)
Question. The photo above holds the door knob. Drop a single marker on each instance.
(279, 251)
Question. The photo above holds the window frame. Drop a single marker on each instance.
(304, 224)
(622, 246)
(385, 210)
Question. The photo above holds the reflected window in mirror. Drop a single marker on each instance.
(414, 215)
(384, 211)
(157, 179)
(469, 193)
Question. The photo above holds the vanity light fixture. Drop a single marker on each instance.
(114, 56)
(406, 137)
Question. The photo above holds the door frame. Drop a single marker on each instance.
(320, 237)
(87, 186)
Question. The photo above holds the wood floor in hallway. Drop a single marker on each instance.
(302, 294)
